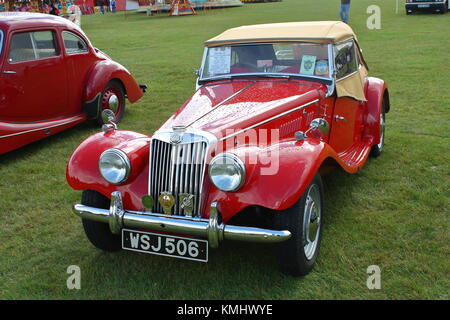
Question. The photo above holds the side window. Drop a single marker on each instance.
(1, 41)
(28, 46)
(346, 61)
(45, 44)
(21, 48)
(73, 43)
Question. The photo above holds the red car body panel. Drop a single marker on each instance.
(225, 107)
(44, 96)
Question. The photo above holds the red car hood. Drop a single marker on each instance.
(239, 104)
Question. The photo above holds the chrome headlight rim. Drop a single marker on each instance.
(240, 166)
(123, 157)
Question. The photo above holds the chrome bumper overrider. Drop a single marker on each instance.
(118, 218)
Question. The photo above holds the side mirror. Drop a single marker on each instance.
(109, 120)
(319, 125)
(197, 73)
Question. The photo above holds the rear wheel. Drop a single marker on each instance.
(113, 98)
(99, 233)
(298, 255)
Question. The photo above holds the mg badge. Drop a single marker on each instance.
(177, 135)
(187, 203)
(167, 201)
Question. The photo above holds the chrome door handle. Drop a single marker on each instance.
(339, 118)
(9, 72)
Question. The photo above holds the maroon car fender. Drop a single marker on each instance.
(82, 171)
(375, 91)
(102, 73)
(279, 184)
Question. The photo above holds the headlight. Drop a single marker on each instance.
(227, 172)
(114, 166)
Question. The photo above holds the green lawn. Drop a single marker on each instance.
(394, 213)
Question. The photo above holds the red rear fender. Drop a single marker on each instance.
(107, 70)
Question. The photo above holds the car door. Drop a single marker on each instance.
(344, 128)
(34, 80)
(80, 59)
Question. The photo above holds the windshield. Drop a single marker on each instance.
(305, 59)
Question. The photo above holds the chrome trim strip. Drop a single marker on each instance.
(212, 229)
(39, 129)
(222, 103)
(270, 119)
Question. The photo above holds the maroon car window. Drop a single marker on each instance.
(28, 46)
(73, 43)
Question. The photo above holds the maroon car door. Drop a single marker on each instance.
(34, 77)
(79, 59)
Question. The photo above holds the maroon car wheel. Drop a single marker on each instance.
(113, 98)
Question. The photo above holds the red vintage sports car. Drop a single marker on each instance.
(277, 106)
(51, 78)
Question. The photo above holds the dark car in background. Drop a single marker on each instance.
(440, 6)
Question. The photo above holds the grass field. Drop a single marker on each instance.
(394, 213)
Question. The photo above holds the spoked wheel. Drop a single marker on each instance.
(113, 98)
(378, 148)
(298, 255)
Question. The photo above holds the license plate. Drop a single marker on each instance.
(424, 6)
(165, 245)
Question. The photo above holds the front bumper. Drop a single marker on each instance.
(211, 228)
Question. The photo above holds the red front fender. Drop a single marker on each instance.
(82, 170)
(277, 185)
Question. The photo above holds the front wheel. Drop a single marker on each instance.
(113, 98)
(99, 233)
(298, 255)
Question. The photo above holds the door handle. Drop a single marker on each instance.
(9, 72)
(339, 118)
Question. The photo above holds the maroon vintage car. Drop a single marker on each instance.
(51, 78)
(277, 106)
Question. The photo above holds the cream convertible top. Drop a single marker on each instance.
(322, 32)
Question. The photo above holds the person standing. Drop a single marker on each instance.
(344, 12)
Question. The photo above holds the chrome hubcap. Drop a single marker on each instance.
(311, 222)
(113, 103)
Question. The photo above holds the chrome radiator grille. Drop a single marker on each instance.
(177, 168)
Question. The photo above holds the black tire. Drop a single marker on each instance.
(378, 148)
(113, 87)
(292, 255)
(408, 12)
(99, 233)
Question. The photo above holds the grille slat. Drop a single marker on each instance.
(177, 168)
